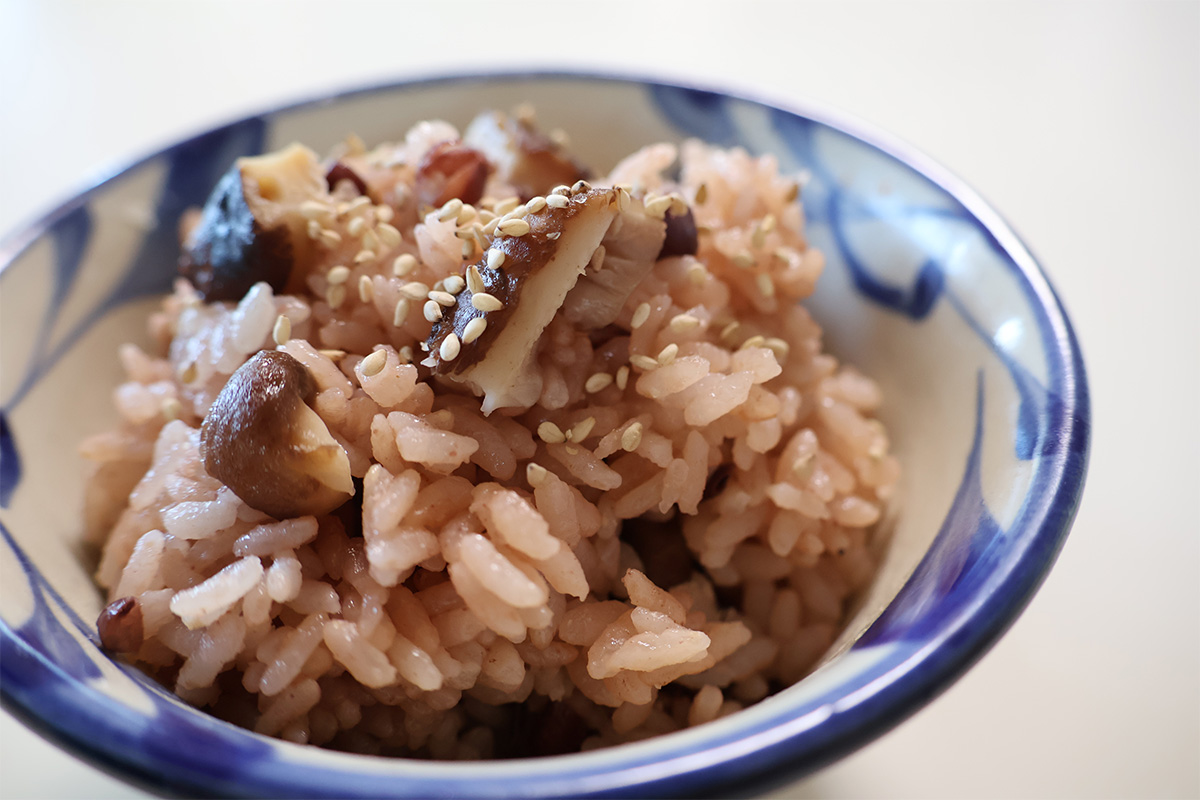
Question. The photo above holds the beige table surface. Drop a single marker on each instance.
(1080, 121)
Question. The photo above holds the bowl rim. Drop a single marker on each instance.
(69, 713)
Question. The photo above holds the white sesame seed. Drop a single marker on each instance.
(406, 354)
(571, 449)
(335, 295)
(697, 274)
(668, 354)
(550, 433)
(623, 200)
(330, 238)
(753, 341)
(466, 214)
(580, 186)
(777, 346)
(517, 212)
(338, 274)
(489, 227)
(631, 437)
(356, 227)
(282, 330)
(513, 227)
(366, 289)
(535, 474)
(768, 223)
(557, 201)
(474, 280)
(312, 210)
(188, 372)
(681, 323)
(581, 430)
(657, 206)
(597, 382)
(482, 301)
(468, 249)
(679, 206)
(171, 408)
(495, 258)
(765, 285)
(554, 236)
(370, 241)
(536, 204)
(450, 210)
(450, 348)
(364, 256)
(333, 355)
(404, 265)
(432, 311)
(384, 213)
(562, 189)
(640, 315)
(415, 290)
(622, 376)
(455, 284)
(313, 229)
(745, 259)
(400, 314)
(442, 298)
(474, 329)
(643, 362)
(506, 205)
(373, 364)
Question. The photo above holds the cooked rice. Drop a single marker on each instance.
(673, 531)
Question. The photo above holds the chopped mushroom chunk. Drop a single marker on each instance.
(249, 230)
(524, 158)
(262, 440)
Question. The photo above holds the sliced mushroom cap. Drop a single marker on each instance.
(249, 230)
(262, 440)
(488, 339)
(448, 170)
(524, 157)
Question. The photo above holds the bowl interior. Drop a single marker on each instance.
(925, 291)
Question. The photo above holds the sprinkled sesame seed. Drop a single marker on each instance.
(425, 348)
(744, 259)
(557, 201)
(683, 322)
(536, 204)
(753, 341)
(623, 199)
(171, 408)
(622, 376)
(364, 256)
(466, 214)
(643, 362)
(554, 236)
(468, 249)
(550, 433)
(187, 373)
(373, 364)
(489, 227)
(366, 289)
(450, 348)
(313, 228)
(384, 213)
(668, 354)
(631, 437)
(506, 205)
(450, 210)
(338, 274)
(282, 330)
(758, 238)
(311, 209)
(333, 355)
(571, 449)
(535, 474)
(369, 240)
(777, 346)
(485, 216)
(404, 265)
(697, 274)
(388, 234)
(474, 329)
(580, 186)
(330, 238)
(640, 315)
(729, 332)
(400, 314)
(581, 430)
(679, 206)
(701, 193)
(519, 211)
(432, 311)
(415, 290)
(597, 382)
(356, 226)
(657, 206)
(482, 301)
(474, 280)
(513, 227)
(455, 284)
(335, 295)
(495, 258)
(358, 203)
(768, 223)
(480, 239)
(406, 354)
(562, 189)
(442, 298)
(765, 285)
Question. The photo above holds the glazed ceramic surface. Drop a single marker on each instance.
(926, 290)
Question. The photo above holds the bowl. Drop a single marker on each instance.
(926, 289)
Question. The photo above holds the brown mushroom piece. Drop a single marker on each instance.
(535, 266)
(250, 229)
(262, 439)
(120, 626)
(448, 170)
(524, 157)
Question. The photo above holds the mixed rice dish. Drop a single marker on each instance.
(450, 449)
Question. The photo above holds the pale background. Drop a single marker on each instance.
(1080, 121)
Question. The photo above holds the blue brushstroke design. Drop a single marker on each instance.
(43, 632)
(696, 112)
(10, 462)
(193, 168)
(959, 559)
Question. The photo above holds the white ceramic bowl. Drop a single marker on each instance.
(926, 289)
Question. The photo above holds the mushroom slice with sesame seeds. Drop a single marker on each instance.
(251, 228)
(262, 440)
(524, 157)
(631, 246)
(538, 271)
